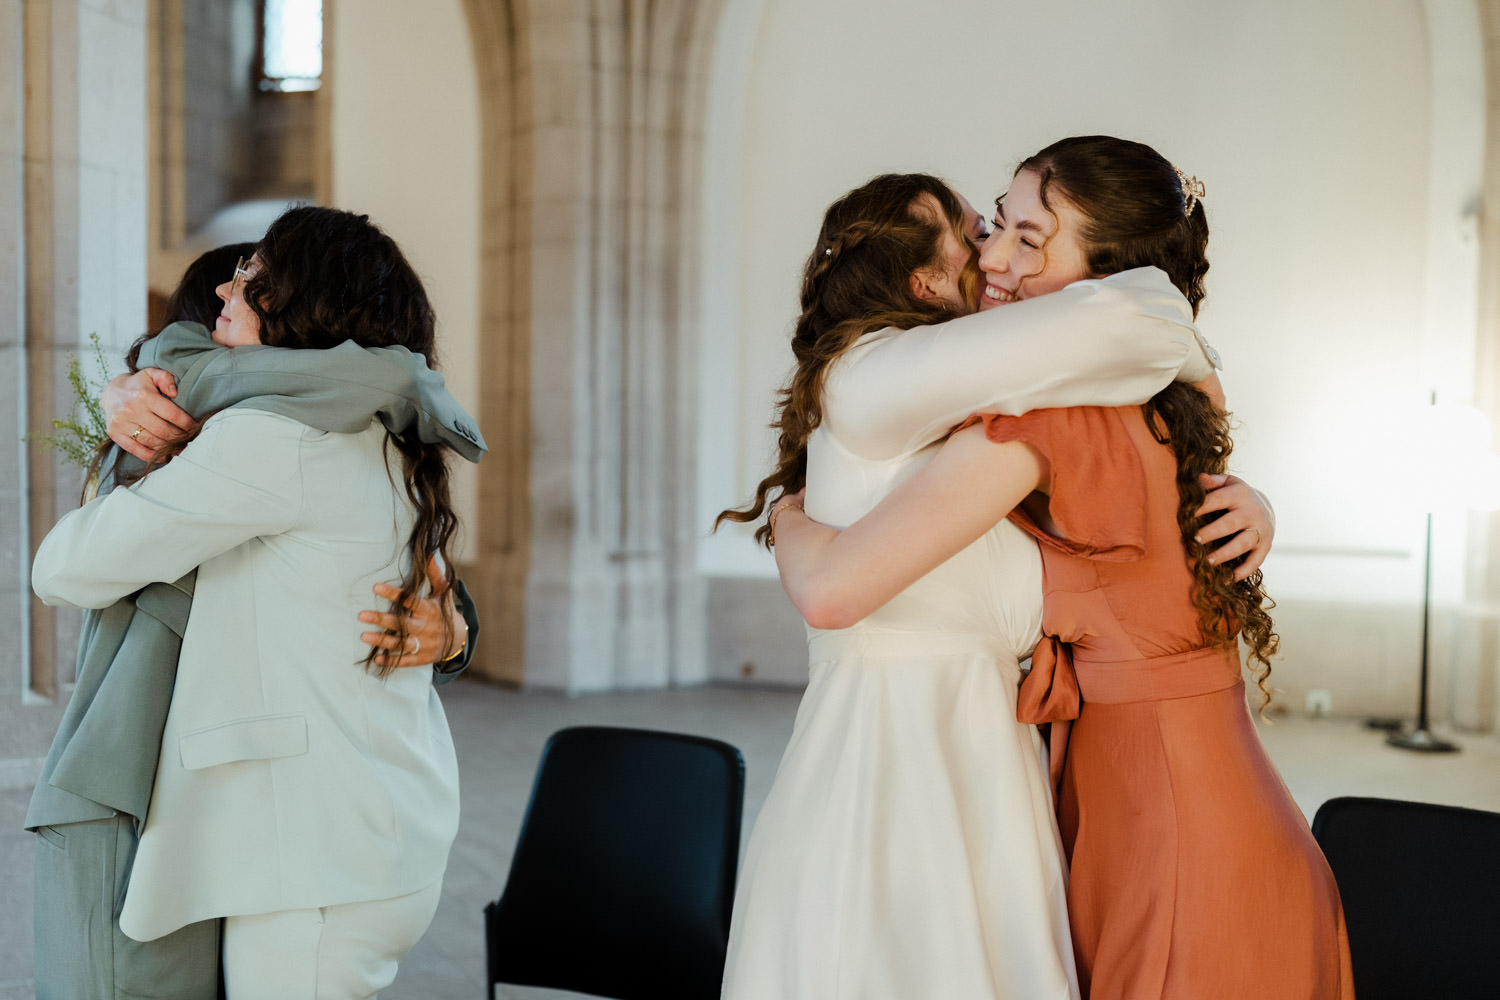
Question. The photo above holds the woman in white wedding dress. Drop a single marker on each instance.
(907, 848)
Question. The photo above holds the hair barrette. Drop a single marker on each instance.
(1192, 191)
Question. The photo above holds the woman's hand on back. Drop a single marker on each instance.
(424, 618)
(140, 415)
(1246, 526)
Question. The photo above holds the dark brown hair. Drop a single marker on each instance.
(857, 279)
(194, 300)
(1136, 214)
(326, 276)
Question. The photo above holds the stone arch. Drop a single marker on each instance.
(498, 31)
(593, 120)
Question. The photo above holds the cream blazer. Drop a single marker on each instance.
(290, 776)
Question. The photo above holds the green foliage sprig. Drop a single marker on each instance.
(80, 434)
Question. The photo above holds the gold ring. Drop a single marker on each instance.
(1257, 535)
(137, 432)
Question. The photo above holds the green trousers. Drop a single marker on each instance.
(82, 870)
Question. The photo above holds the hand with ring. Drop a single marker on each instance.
(423, 619)
(139, 413)
(1245, 525)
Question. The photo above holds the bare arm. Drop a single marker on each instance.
(838, 577)
(835, 578)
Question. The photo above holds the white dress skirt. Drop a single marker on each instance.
(907, 849)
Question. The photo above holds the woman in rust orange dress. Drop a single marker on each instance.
(1194, 874)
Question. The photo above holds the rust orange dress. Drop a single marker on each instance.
(1194, 874)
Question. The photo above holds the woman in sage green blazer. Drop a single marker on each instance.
(305, 793)
(91, 799)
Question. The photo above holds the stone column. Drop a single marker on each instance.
(76, 156)
(592, 157)
(499, 29)
(1484, 559)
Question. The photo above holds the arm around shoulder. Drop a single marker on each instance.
(1111, 342)
(240, 478)
(837, 578)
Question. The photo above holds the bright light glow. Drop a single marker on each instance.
(293, 43)
(1483, 487)
(1443, 462)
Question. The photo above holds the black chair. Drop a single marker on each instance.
(623, 877)
(1421, 891)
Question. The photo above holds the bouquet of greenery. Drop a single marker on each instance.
(78, 436)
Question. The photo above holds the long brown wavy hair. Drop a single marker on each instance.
(327, 276)
(857, 279)
(1136, 214)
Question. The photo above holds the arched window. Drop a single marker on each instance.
(291, 45)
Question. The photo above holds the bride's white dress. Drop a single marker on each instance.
(907, 848)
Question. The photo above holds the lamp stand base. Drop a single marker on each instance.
(1422, 741)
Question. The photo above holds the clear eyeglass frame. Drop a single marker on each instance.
(241, 275)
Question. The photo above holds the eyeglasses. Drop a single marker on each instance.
(241, 274)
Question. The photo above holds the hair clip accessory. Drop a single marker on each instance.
(1192, 191)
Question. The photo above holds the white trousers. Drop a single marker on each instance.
(344, 952)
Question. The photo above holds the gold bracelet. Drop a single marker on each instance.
(461, 646)
(781, 505)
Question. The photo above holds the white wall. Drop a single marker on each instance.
(1312, 126)
(404, 133)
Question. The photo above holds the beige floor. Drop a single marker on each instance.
(500, 733)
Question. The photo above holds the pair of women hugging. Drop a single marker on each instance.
(908, 847)
(922, 838)
(233, 735)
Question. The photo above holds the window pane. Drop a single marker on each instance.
(294, 39)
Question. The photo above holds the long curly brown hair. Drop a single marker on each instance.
(327, 276)
(1137, 215)
(857, 279)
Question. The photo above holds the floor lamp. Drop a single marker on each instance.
(1420, 738)
(1466, 430)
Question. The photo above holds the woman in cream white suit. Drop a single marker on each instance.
(907, 847)
(305, 793)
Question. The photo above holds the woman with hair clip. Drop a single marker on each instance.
(307, 792)
(1193, 873)
(95, 785)
(907, 847)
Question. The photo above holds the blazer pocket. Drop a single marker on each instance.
(265, 738)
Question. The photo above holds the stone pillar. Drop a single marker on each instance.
(498, 577)
(75, 111)
(1483, 583)
(592, 158)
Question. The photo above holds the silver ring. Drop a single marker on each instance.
(417, 644)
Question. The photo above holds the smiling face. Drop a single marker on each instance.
(237, 324)
(954, 282)
(1033, 249)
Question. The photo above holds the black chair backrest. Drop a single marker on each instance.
(623, 877)
(1421, 891)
